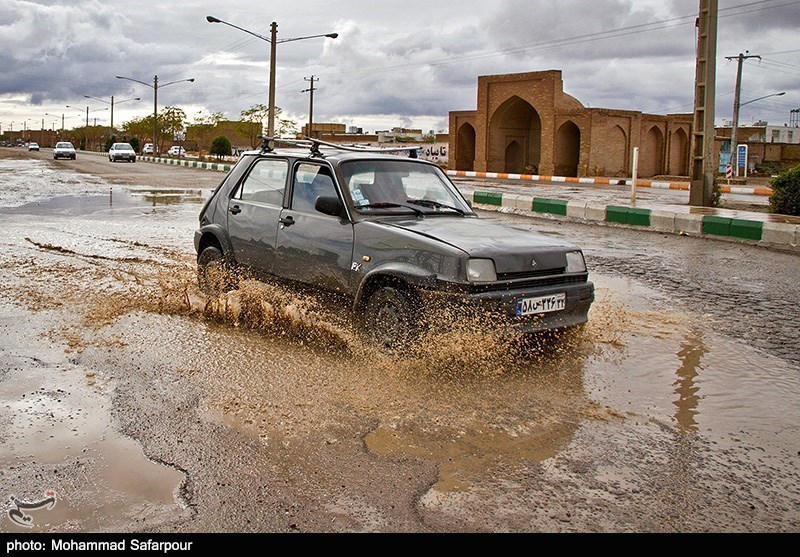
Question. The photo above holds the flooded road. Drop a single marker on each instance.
(145, 407)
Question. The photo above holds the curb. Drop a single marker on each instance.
(778, 235)
(742, 190)
(221, 167)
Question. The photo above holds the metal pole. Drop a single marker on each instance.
(112, 112)
(736, 99)
(634, 174)
(156, 149)
(273, 41)
(87, 116)
(310, 90)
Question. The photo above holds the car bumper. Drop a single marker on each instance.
(499, 308)
(123, 157)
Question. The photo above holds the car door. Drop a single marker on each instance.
(313, 247)
(254, 211)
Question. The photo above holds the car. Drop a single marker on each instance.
(392, 236)
(148, 149)
(64, 150)
(177, 151)
(121, 152)
(32, 146)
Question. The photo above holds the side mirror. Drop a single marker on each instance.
(332, 206)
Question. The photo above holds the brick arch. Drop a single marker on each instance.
(679, 153)
(516, 120)
(617, 162)
(568, 149)
(465, 147)
(651, 156)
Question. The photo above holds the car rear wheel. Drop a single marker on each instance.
(213, 273)
(388, 320)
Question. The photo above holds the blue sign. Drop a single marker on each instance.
(741, 155)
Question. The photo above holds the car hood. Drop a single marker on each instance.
(514, 250)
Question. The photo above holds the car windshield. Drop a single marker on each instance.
(63, 145)
(401, 186)
(123, 147)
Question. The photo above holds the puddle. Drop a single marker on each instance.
(59, 441)
(116, 198)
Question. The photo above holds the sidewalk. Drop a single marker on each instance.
(614, 208)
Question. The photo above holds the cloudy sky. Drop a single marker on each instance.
(396, 63)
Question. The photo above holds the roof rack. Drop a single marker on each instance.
(314, 146)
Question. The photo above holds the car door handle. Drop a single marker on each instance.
(235, 210)
(287, 221)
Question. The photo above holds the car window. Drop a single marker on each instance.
(398, 182)
(310, 182)
(266, 182)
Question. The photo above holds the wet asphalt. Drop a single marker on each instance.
(146, 407)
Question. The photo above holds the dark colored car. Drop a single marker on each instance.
(393, 235)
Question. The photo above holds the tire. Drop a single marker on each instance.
(388, 320)
(213, 275)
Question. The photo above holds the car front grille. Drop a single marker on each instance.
(517, 275)
(530, 282)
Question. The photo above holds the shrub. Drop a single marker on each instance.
(134, 141)
(785, 198)
(221, 146)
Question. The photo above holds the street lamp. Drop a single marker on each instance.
(155, 87)
(735, 126)
(112, 104)
(87, 111)
(272, 40)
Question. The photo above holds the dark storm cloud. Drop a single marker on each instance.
(412, 59)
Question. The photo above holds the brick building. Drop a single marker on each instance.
(526, 124)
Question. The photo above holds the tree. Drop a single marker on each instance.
(204, 126)
(171, 120)
(221, 147)
(785, 198)
(252, 121)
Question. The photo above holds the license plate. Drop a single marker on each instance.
(542, 304)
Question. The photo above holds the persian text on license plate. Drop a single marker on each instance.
(542, 304)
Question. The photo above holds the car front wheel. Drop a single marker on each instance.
(388, 320)
(213, 273)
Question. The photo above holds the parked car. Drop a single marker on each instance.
(393, 235)
(121, 152)
(32, 146)
(177, 151)
(64, 150)
(148, 149)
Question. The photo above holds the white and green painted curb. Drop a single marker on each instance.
(767, 232)
(221, 167)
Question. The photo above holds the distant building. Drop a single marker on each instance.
(319, 129)
(765, 144)
(526, 124)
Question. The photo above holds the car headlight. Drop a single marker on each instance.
(481, 270)
(575, 262)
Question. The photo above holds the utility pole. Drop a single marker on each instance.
(736, 99)
(310, 91)
(703, 164)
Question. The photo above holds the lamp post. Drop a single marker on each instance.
(735, 123)
(273, 41)
(87, 111)
(112, 104)
(56, 115)
(155, 87)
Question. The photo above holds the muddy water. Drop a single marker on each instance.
(645, 420)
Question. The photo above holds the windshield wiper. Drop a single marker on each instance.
(436, 204)
(387, 205)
